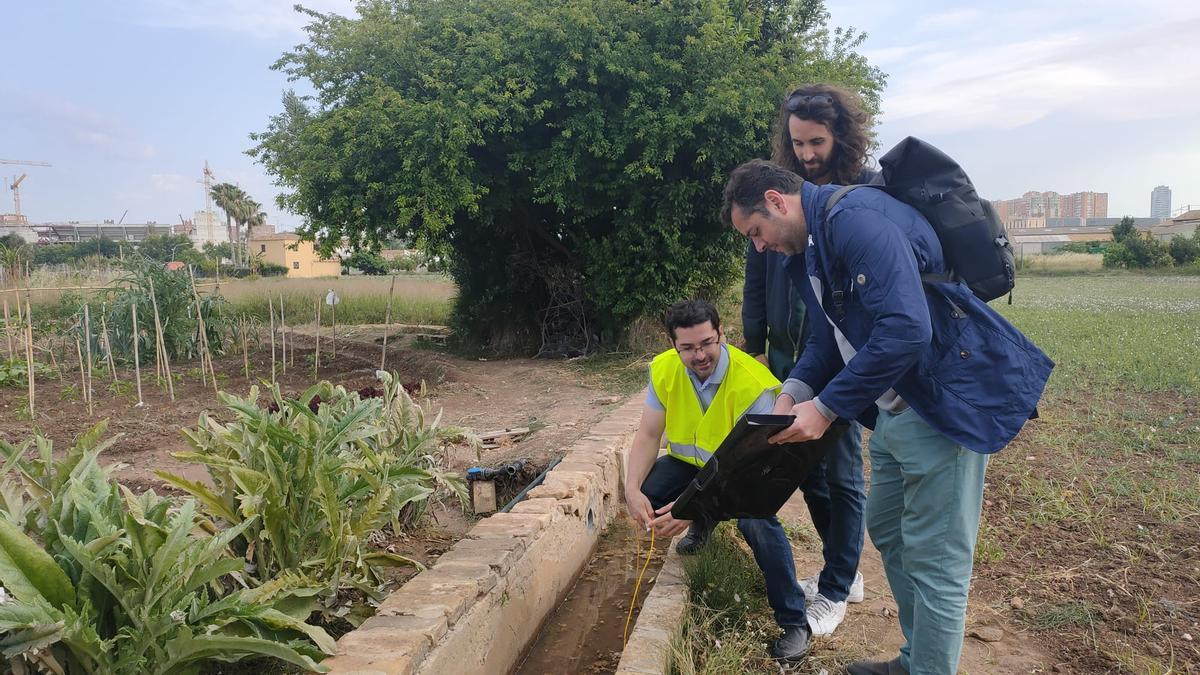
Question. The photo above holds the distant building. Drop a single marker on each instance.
(1160, 202)
(14, 224)
(1084, 205)
(1054, 233)
(1025, 211)
(205, 227)
(1185, 224)
(299, 257)
(56, 233)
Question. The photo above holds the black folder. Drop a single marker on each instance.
(748, 477)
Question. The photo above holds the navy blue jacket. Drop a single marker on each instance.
(769, 303)
(769, 300)
(957, 363)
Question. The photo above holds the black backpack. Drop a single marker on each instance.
(974, 242)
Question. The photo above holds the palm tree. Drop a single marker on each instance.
(254, 216)
(230, 199)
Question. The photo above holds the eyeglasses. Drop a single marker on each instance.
(797, 101)
(703, 346)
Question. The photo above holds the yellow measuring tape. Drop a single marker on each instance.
(637, 585)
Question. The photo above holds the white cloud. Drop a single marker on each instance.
(952, 20)
(263, 19)
(1135, 74)
(82, 128)
(171, 182)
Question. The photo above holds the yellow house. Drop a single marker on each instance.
(299, 257)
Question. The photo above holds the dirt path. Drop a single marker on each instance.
(872, 631)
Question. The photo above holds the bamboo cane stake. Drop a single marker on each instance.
(29, 353)
(162, 345)
(8, 330)
(387, 324)
(317, 358)
(137, 362)
(205, 353)
(271, 307)
(245, 349)
(333, 331)
(282, 335)
(87, 338)
(158, 368)
(82, 376)
(112, 366)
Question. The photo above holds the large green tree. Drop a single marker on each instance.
(569, 154)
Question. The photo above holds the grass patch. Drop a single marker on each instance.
(728, 624)
(423, 299)
(1054, 617)
(1123, 332)
(619, 372)
(1060, 263)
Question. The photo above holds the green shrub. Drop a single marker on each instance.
(270, 269)
(367, 262)
(1185, 250)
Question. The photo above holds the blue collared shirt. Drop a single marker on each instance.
(706, 391)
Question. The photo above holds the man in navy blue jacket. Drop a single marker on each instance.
(821, 135)
(940, 377)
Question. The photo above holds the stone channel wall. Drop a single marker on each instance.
(659, 622)
(478, 607)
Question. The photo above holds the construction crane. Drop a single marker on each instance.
(16, 184)
(16, 188)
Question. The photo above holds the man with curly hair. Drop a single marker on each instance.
(820, 135)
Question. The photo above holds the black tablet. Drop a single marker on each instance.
(748, 477)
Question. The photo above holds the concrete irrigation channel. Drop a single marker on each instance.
(543, 588)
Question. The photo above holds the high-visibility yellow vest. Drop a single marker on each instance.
(693, 435)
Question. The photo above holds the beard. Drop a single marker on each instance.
(812, 172)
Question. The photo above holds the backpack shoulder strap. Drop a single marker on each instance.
(837, 196)
(929, 278)
(833, 200)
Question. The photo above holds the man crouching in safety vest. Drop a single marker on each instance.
(698, 390)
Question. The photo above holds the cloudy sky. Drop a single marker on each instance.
(128, 98)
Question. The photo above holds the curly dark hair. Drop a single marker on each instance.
(841, 111)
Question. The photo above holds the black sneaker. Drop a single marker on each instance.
(793, 646)
(892, 667)
(695, 540)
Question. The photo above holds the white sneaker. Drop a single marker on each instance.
(825, 615)
(811, 589)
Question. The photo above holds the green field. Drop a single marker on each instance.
(1123, 331)
(419, 298)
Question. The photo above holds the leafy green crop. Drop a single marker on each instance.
(15, 374)
(124, 584)
(308, 481)
(177, 312)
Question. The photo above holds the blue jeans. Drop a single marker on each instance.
(772, 550)
(836, 499)
(923, 515)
